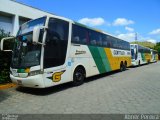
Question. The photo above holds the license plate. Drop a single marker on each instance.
(19, 82)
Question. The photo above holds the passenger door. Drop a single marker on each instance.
(55, 50)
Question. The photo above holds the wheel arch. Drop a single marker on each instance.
(81, 66)
(121, 63)
(125, 62)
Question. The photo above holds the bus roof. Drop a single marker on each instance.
(85, 26)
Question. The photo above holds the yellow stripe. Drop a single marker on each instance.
(148, 57)
(115, 61)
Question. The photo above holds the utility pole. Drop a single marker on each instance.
(135, 37)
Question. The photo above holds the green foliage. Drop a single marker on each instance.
(157, 47)
(145, 44)
(3, 34)
(5, 59)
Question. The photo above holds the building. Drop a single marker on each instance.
(13, 14)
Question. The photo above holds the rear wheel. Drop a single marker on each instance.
(78, 76)
(124, 66)
(121, 67)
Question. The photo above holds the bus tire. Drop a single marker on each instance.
(124, 66)
(78, 76)
(139, 63)
(121, 66)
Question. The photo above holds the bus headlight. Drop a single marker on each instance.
(32, 73)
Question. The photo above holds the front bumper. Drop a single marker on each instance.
(31, 81)
(134, 63)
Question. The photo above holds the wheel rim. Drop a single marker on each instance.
(79, 75)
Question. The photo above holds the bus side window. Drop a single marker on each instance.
(109, 44)
(93, 42)
(79, 35)
(104, 41)
(93, 37)
(99, 40)
(114, 40)
(76, 39)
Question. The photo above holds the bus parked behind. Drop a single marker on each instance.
(154, 56)
(140, 55)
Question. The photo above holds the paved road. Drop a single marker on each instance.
(136, 90)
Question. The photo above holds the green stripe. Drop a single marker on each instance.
(97, 58)
(104, 59)
(143, 57)
(21, 70)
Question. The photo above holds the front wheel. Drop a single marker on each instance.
(139, 63)
(78, 76)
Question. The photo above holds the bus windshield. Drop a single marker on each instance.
(132, 54)
(25, 53)
(28, 27)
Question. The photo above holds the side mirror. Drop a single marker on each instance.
(36, 34)
(4, 41)
(135, 50)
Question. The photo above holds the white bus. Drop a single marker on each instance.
(140, 55)
(53, 50)
(154, 56)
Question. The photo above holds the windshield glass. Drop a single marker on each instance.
(28, 27)
(25, 53)
(132, 54)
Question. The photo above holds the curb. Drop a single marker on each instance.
(6, 86)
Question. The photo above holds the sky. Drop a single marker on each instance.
(122, 18)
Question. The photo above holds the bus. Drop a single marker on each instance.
(140, 55)
(52, 50)
(154, 56)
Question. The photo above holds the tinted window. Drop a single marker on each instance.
(118, 43)
(79, 35)
(105, 41)
(110, 44)
(95, 38)
(56, 43)
(143, 49)
(83, 35)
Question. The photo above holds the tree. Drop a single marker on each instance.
(157, 47)
(5, 59)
